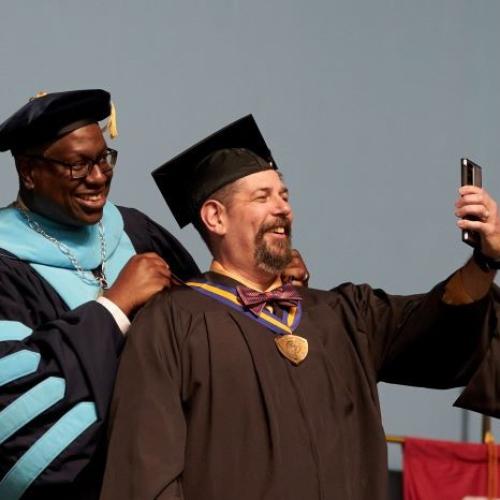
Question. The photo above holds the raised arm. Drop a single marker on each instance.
(473, 281)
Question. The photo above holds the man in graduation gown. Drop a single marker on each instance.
(73, 269)
(246, 388)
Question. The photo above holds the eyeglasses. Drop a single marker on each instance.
(80, 169)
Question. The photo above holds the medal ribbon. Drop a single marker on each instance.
(230, 297)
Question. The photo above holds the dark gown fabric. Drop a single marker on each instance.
(206, 408)
(482, 393)
(81, 346)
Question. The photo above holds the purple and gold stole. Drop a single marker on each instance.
(227, 295)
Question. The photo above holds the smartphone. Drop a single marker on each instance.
(471, 174)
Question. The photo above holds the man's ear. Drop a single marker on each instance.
(213, 215)
(25, 170)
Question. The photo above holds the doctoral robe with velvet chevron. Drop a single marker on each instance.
(59, 349)
(206, 408)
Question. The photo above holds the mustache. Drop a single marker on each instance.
(283, 222)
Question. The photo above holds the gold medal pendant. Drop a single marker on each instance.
(293, 347)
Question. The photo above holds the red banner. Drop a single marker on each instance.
(445, 470)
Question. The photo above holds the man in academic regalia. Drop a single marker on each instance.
(73, 269)
(247, 388)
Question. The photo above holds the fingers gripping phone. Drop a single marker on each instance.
(471, 174)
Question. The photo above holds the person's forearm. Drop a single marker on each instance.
(477, 282)
(469, 284)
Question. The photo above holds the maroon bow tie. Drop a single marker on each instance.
(286, 295)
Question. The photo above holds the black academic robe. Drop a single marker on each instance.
(206, 408)
(71, 356)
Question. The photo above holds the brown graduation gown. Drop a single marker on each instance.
(206, 408)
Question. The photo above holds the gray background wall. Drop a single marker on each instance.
(367, 106)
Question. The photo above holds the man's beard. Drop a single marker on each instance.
(273, 258)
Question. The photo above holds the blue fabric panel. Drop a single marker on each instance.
(17, 365)
(84, 243)
(28, 406)
(72, 289)
(46, 449)
(13, 330)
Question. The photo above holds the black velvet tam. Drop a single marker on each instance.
(49, 116)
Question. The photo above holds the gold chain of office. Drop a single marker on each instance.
(98, 274)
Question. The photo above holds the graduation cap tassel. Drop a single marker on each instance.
(111, 125)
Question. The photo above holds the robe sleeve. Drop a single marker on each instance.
(56, 379)
(147, 425)
(482, 393)
(421, 341)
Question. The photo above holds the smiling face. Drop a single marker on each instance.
(48, 189)
(258, 220)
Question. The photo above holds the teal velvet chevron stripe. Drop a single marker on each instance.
(17, 365)
(13, 330)
(31, 404)
(46, 449)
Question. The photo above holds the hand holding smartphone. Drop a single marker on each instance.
(471, 174)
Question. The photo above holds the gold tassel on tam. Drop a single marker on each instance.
(111, 125)
(39, 94)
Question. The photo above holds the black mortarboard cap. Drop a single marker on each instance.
(191, 177)
(48, 116)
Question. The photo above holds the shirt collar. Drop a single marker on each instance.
(217, 267)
